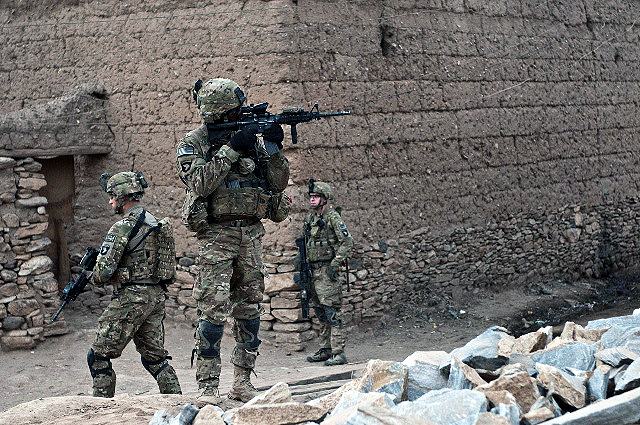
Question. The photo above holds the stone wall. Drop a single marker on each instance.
(28, 289)
(575, 241)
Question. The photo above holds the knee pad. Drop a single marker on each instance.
(246, 334)
(333, 315)
(208, 337)
(154, 367)
(92, 357)
(320, 313)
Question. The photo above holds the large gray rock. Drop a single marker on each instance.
(597, 385)
(578, 355)
(490, 350)
(627, 336)
(348, 409)
(446, 406)
(424, 373)
(630, 379)
(372, 415)
(183, 415)
(630, 320)
(510, 411)
(616, 356)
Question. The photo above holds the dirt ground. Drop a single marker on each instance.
(58, 366)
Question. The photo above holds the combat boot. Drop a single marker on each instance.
(320, 355)
(242, 388)
(208, 395)
(336, 359)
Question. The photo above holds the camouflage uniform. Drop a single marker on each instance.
(328, 244)
(227, 194)
(136, 311)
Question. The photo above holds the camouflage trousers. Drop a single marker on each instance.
(327, 303)
(230, 280)
(230, 283)
(135, 313)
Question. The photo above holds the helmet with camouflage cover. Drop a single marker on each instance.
(217, 96)
(125, 183)
(321, 188)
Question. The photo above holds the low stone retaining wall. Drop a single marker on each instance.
(572, 242)
(372, 277)
(575, 241)
(28, 288)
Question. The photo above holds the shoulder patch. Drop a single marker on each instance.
(343, 228)
(110, 237)
(104, 249)
(186, 150)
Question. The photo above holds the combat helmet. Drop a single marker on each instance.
(125, 183)
(321, 188)
(217, 96)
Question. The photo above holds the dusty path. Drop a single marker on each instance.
(58, 366)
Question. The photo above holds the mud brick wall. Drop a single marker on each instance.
(461, 110)
(28, 289)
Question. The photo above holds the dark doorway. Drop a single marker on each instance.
(60, 192)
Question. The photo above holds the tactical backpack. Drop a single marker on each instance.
(164, 265)
(157, 262)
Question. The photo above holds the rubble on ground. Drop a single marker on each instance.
(587, 374)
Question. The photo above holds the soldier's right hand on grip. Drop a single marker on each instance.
(242, 141)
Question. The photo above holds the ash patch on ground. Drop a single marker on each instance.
(524, 309)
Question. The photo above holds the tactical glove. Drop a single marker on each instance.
(274, 134)
(243, 140)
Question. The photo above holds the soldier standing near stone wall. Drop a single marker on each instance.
(132, 258)
(232, 182)
(328, 244)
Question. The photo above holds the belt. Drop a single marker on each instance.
(319, 264)
(237, 223)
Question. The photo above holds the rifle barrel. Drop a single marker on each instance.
(55, 316)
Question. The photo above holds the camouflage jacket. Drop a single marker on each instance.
(327, 237)
(112, 266)
(214, 174)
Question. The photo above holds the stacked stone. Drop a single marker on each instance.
(572, 242)
(180, 304)
(372, 284)
(28, 288)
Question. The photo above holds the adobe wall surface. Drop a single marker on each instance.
(461, 110)
(466, 114)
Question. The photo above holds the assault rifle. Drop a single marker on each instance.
(76, 287)
(257, 115)
(303, 277)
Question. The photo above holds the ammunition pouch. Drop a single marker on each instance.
(237, 203)
(194, 213)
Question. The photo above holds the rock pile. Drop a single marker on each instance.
(586, 375)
